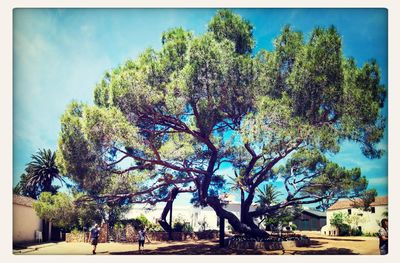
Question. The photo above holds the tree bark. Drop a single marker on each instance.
(250, 229)
(221, 231)
(168, 209)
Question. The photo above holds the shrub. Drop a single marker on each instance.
(293, 227)
(356, 232)
(182, 226)
(344, 230)
(369, 234)
(75, 231)
(338, 220)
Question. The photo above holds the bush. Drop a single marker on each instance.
(293, 227)
(75, 231)
(338, 221)
(182, 227)
(356, 232)
(344, 230)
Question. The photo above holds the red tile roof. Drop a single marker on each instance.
(342, 204)
(23, 200)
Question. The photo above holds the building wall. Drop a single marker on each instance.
(369, 222)
(309, 223)
(25, 222)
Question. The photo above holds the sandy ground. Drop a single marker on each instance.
(320, 245)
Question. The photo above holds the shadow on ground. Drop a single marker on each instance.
(194, 249)
(341, 239)
(214, 249)
(328, 251)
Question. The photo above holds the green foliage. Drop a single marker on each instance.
(57, 209)
(293, 226)
(143, 221)
(371, 234)
(338, 220)
(202, 100)
(366, 199)
(269, 195)
(39, 175)
(23, 188)
(356, 232)
(227, 25)
(203, 224)
(312, 172)
(180, 225)
(282, 217)
(62, 210)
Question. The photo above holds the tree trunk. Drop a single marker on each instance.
(242, 210)
(170, 222)
(168, 209)
(221, 231)
(249, 228)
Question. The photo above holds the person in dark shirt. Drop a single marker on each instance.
(384, 237)
(94, 237)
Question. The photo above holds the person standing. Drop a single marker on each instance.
(384, 237)
(141, 239)
(94, 237)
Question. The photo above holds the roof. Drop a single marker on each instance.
(315, 212)
(346, 203)
(23, 200)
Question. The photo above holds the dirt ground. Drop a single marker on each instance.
(320, 245)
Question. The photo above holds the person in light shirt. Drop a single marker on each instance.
(383, 237)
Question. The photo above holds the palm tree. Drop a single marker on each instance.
(268, 195)
(22, 188)
(42, 170)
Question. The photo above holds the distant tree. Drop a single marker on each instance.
(365, 199)
(170, 119)
(22, 188)
(62, 211)
(280, 217)
(203, 224)
(58, 209)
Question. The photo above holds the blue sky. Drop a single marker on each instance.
(60, 54)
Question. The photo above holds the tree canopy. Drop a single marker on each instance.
(170, 119)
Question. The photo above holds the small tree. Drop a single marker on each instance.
(203, 224)
(365, 199)
(181, 225)
(61, 210)
(58, 209)
(281, 217)
(338, 220)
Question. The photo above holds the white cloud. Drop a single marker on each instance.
(378, 181)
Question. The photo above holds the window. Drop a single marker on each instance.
(373, 210)
(349, 211)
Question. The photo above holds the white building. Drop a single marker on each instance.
(194, 215)
(25, 220)
(366, 221)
